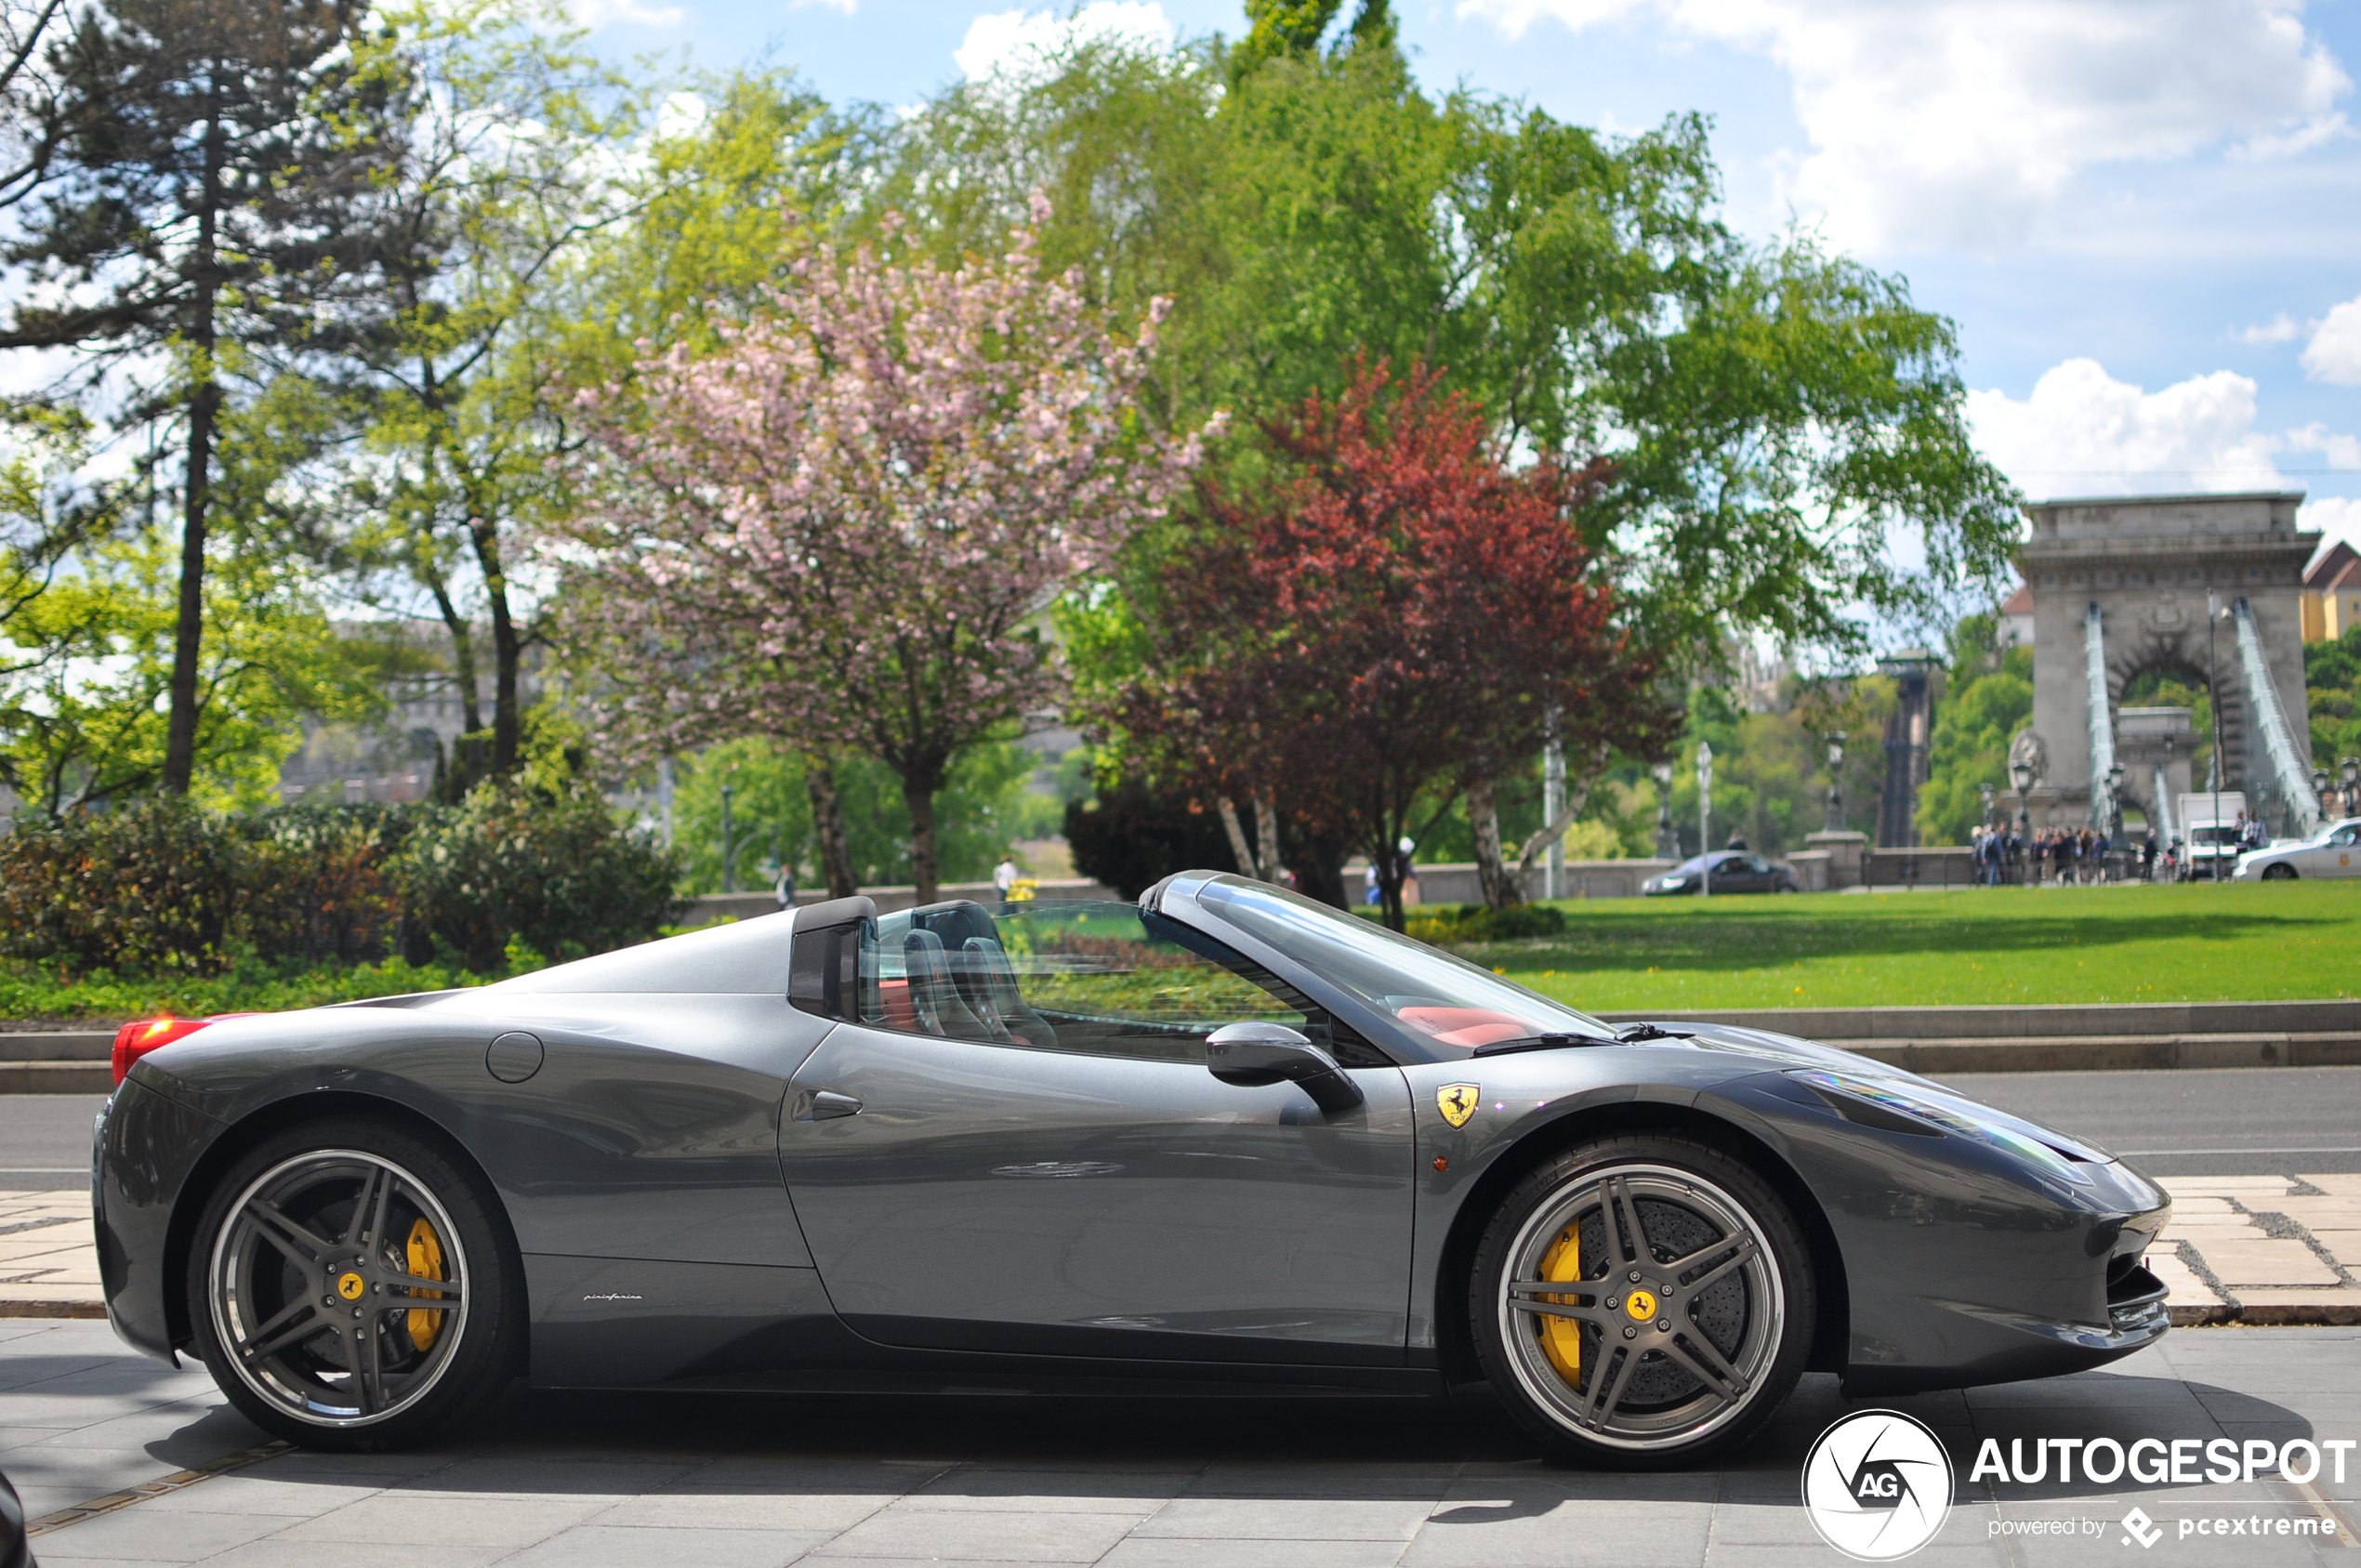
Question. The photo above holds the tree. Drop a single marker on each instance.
(209, 202)
(1388, 627)
(1987, 697)
(843, 524)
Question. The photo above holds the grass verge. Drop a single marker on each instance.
(2194, 943)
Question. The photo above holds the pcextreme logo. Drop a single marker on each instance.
(1876, 1486)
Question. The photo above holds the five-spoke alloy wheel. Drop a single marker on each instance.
(353, 1288)
(1642, 1300)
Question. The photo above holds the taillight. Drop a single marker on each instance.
(141, 1035)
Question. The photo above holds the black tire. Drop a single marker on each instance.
(1690, 1377)
(359, 1200)
(2280, 873)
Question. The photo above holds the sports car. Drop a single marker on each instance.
(1224, 1139)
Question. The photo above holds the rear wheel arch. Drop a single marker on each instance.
(1454, 1337)
(274, 1118)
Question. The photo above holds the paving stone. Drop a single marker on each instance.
(2263, 1263)
(1267, 1519)
(662, 1547)
(2180, 1281)
(1177, 1551)
(422, 1519)
(982, 1536)
(824, 1513)
(141, 1533)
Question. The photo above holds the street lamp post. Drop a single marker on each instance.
(2115, 813)
(2213, 613)
(728, 858)
(1705, 820)
(1835, 781)
(2021, 775)
(2320, 788)
(1985, 791)
(1667, 845)
(2350, 768)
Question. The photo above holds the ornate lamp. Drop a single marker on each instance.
(2352, 768)
(1835, 781)
(2115, 807)
(2021, 774)
(1986, 790)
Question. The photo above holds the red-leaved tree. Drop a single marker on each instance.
(1387, 627)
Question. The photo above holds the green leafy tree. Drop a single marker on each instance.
(1987, 697)
(2332, 680)
(208, 213)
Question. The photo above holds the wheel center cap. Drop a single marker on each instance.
(1641, 1305)
(351, 1287)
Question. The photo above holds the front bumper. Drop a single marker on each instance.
(1964, 1266)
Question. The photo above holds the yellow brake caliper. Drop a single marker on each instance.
(425, 1262)
(1561, 1338)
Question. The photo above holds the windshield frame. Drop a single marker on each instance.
(1176, 898)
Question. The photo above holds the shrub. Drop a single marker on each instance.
(1135, 836)
(318, 883)
(1474, 922)
(514, 862)
(152, 886)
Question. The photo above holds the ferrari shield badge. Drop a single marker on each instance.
(1457, 1102)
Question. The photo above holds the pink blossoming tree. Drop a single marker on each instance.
(841, 526)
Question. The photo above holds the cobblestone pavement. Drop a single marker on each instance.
(877, 1482)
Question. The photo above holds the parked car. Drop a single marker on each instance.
(1735, 871)
(15, 1550)
(2335, 851)
(1221, 1139)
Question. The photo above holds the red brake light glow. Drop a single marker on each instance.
(141, 1035)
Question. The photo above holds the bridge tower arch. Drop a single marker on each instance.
(2147, 564)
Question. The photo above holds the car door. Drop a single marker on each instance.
(1040, 1161)
(2340, 856)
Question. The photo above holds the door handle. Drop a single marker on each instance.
(826, 1105)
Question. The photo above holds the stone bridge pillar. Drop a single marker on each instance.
(2148, 562)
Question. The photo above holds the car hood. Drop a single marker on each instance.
(1777, 1050)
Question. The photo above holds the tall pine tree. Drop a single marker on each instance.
(208, 205)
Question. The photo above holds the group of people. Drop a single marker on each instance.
(2064, 856)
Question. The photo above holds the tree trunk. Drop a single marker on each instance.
(205, 401)
(917, 794)
(1237, 837)
(463, 655)
(1266, 834)
(1391, 865)
(1501, 890)
(1578, 797)
(827, 825)
(508, 647)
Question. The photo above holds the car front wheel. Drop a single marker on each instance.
(1642, 1302)
(352, 1286)
(2281, 873)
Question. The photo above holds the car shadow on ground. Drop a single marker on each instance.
(1463, 1453)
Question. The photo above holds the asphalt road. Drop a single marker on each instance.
(2284, 1119)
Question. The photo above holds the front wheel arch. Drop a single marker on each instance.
(188, 1204)
(1455, 1339)
(2281, 872)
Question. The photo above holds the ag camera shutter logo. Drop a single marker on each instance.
(1876, 1486)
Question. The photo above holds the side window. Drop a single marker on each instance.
(2345, 837)
(1097, 979)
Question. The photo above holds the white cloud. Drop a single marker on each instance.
(1019, 42)
(2084, 433)
(2334, 353)
(598, 13)
(845, 7)
(2281, 328)
(1958, 122)
(2337, 516)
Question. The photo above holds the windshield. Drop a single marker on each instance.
(1450, 1000)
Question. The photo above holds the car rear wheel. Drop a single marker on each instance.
(1640, 1301)
(2282, 873)
(351, 1286)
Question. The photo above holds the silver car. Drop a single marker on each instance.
(2335, 851)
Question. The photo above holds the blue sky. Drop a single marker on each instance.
(2143, 215)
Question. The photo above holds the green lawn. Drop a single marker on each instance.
(2194, 943)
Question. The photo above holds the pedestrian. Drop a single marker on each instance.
(1737, 841)
(785, 887)
(2148, 856)
(1004, 877)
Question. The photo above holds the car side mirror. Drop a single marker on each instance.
(1252, 1054)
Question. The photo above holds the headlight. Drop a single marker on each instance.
(2036, 1146)
(1673, 881)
